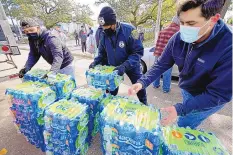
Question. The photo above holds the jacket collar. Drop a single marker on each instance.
(217, 28)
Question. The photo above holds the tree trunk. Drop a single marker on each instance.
(157, 26)
(225, 8)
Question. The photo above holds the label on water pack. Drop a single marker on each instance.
(139, 116)
(89, 94)
(192, 141)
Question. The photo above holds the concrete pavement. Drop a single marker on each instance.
(219, 123)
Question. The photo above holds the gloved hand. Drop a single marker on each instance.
(51, 78)
(121, 70)
(45, 76)
(22, 72)
(92, 65)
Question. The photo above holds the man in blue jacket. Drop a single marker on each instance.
(202, 50)
(45, 44)
(120, 47)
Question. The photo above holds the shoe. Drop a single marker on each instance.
(156, 86)
(166, 91)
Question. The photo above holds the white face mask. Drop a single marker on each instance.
(190, 34)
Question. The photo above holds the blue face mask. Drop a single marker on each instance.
(190, 34)
(33, 36)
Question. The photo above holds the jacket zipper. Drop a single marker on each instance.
(187, 58)
(115, 55)
(114, 47)
(37, 46)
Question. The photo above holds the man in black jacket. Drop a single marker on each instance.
(45, 44)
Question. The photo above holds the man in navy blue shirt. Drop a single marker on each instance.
(202, 50)
(119, 46)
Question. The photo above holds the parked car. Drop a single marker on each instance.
(148, 60)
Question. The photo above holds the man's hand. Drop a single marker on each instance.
(121, 70)
(92, 65)
(22, 72)
(171, 115)
(134, 89)
(45, 76)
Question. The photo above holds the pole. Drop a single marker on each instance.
(157, 26)
(2, 13)
(14, 24)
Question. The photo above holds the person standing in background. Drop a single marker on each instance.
(162, 41)
(61, 35)
(83, 37)
(90, 32)
(76, 36)
(91, 44)
(141, 36)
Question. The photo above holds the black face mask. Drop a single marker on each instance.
(109, 32)
(33, 36)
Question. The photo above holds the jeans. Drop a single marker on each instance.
(135, 74)
(166, 79)
(84, 47)
(77, 41)
(68, 70)
(195, 118)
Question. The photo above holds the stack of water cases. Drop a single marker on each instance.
(66, 128)
(92, 98)
(103, 77)
(29, 101)
(185, 141)
(128, 128)
(62, 84)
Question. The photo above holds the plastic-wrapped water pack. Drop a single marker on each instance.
(91, 97)
(62, 84)
(103, 77)
(35, 75)
(185, 141)
(29, 101)
(116, 100)
(66, 128)
(128, 128)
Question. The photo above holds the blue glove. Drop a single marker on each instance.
(92, 65)
(121, 70)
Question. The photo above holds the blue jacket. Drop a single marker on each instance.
(83, 36)
(98, 35)
(122, 48)
(205, 69)
(51, 49)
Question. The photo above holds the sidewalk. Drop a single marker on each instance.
(75, 50)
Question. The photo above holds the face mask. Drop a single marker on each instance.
(33, 36)
(109, 31)
(190, 34)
